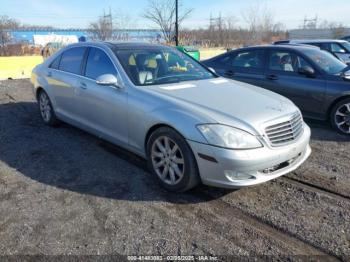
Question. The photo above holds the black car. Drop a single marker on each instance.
(317, 82)
(339, 48)
(346, 38)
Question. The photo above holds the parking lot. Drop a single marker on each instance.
(64, 191)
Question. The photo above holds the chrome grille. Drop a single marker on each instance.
(285, 132)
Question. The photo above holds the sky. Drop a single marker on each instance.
(79, 13)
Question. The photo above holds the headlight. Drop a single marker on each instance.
(228, 137)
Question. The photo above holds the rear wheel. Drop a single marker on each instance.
(46, 110)
(171, 160)
(340, 116)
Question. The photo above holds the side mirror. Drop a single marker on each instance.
(107, 80)
(212, 70)
(307, 71)
(341, 51)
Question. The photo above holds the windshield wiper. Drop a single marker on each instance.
(167, 80)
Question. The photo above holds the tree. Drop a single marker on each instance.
(162, 13)
(261, 23)
(111, 27)
(338, 29)
(102, 29)
(6, 24)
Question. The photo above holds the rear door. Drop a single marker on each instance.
(63, 76)
(247, 66)
(282, 77)
(103, 108)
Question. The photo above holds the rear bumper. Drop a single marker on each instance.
(241, 168)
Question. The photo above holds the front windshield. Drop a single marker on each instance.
(326, 61)
(156, 66)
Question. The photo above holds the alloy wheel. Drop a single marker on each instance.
(342, 118)
(45, 107)
(167, 160)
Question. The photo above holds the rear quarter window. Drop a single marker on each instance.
(55, 63)
(72, 59)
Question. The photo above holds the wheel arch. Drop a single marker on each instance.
(195, 178)
(181, 121)
(336, 101)
(37, 91)
(154, 128)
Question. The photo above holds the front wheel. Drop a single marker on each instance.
(340, 116)
(171, 160)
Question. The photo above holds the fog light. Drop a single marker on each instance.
(234, 175)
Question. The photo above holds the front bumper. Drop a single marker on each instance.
(257, 165)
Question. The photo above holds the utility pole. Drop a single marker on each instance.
(310, 23)
(176, 22)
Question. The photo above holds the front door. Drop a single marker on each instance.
(104, 108)
(283, 77)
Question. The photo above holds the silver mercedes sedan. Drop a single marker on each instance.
(191, 125)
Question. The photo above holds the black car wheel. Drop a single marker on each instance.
(171, 160)
(340, 116)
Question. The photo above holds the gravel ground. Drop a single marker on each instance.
(64, 191)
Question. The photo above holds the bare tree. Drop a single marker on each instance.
(102, 29)
(261, 23)
(325, 24)
(121, 22)
(224, 32)
(111, 26)
(6, 24)
(338, 29)
(162, 13)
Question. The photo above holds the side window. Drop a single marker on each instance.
(336, 48)
(249, 59)
(325, 46)
(223, 60)
(300, 62)
(286, 61)
(315, 44)
(71, 60)
(98, 63)
(55, 63)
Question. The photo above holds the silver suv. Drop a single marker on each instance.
(191, 125)
(339, 48)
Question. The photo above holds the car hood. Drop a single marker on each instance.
(230, 102)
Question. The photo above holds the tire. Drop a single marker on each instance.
(46, 110)
(340, 116)
(176, 161)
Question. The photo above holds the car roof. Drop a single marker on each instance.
(138, 45)
(300, 41)
(120, 45)
(280, 46)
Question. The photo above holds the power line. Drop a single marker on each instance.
(310, 23)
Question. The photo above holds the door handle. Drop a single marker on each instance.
(49, 74)
(82, 85)
(272, 77)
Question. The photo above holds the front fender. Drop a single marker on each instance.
(182, 121)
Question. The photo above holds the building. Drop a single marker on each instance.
(318, 33)
(27, 36)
